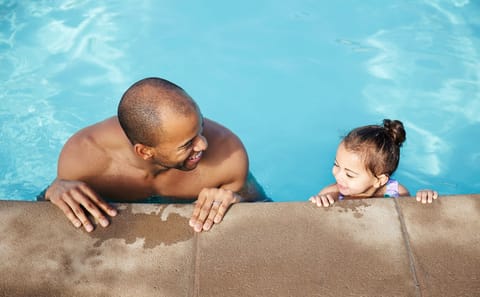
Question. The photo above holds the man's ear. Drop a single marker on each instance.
(381, 180)
(143, 151)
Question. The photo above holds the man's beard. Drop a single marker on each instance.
(179, 166)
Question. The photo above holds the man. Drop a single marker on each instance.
(158, 145)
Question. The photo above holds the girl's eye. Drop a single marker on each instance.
(335, 164)
(349, 175)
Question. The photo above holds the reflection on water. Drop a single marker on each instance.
(428, 73)
(311, 71)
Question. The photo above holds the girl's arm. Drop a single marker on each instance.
(326, 197)
(402, 191)
(329, 189)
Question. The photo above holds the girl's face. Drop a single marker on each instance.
(353, 178)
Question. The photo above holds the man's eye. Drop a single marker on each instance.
(187, 146)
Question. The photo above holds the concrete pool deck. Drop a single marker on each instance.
(371, 247)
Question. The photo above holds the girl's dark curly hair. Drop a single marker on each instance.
(378, 145)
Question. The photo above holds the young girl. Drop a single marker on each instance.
(365, 160)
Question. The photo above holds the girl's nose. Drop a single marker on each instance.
(338, 175)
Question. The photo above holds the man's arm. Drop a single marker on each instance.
(234, 186)
(252, 191)
(79, 159)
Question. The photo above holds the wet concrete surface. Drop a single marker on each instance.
(371, 247)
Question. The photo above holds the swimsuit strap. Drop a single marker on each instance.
(392, 188)
(391, 191)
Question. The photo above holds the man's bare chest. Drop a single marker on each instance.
(131, 184)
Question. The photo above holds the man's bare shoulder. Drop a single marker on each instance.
(102, 135)
(224, 146)
(219, 134)
(89, 150)
(226, 156)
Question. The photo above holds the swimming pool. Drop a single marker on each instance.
(289, 77)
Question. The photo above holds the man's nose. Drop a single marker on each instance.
(201, 143)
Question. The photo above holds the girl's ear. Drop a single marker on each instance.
(381, 180)
(143, 151)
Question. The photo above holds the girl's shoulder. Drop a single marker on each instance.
(402, 191)
(394, 189)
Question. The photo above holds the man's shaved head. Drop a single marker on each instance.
(143, 107)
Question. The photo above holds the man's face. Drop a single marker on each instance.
(182, 142)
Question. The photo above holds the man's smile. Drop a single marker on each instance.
(196, 157)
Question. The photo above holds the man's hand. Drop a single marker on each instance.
(210, 207)
(426, 196)
(325, 200)
(73, 198)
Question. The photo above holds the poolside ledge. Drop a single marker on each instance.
(373, 247)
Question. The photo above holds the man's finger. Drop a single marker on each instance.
(94, 211)
(68, 213)
(108, 209)
(201, 211)
(91, 206)
(196, 211)
(204, 212)
(211, 215)
(79, 213)
(222, 209)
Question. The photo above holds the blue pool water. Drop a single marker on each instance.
(289, 77)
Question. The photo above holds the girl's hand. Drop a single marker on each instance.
(426, 196)
(324, 200)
